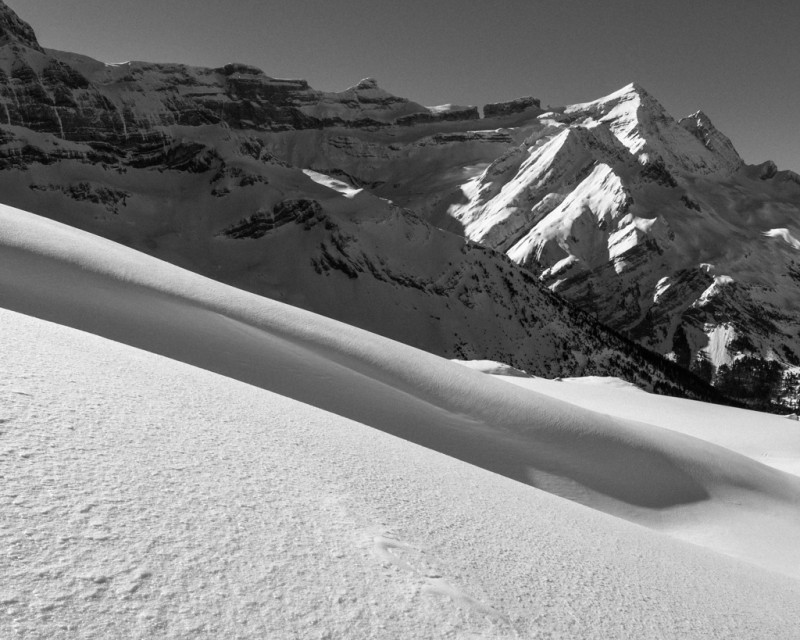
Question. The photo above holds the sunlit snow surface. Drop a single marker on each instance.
(144, 497)
(784, 235)
(332, 183)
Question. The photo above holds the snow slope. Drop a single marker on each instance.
(146, 498)
(771, 439)
(657, 477)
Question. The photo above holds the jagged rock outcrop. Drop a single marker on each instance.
(14, 30)
(80, 99)
(700, 126)
(262, 222)
(444, 113)
(495, 109)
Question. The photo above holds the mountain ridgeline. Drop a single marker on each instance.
(457, 230)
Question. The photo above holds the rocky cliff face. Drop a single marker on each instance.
(80, 99)
(355, 204)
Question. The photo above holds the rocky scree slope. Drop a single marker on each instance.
(182, 163)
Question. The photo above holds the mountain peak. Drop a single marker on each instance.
(700, 117)
(701, 127)
(642, 124)
(367, 84)
(634, 87)
(631, 97)
(15, 30)
(629, 91)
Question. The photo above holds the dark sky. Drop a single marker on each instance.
(738, 60)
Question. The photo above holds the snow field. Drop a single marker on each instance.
(147, 498)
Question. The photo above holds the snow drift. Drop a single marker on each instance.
(658, 477)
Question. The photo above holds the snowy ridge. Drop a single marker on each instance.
(304, 511)
(669, 481)
(700, 125)
(638, 120)
(762, 437)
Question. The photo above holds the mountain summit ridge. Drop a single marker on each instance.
(642, 124)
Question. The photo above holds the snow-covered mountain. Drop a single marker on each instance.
(183, 163)
(660, 228)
